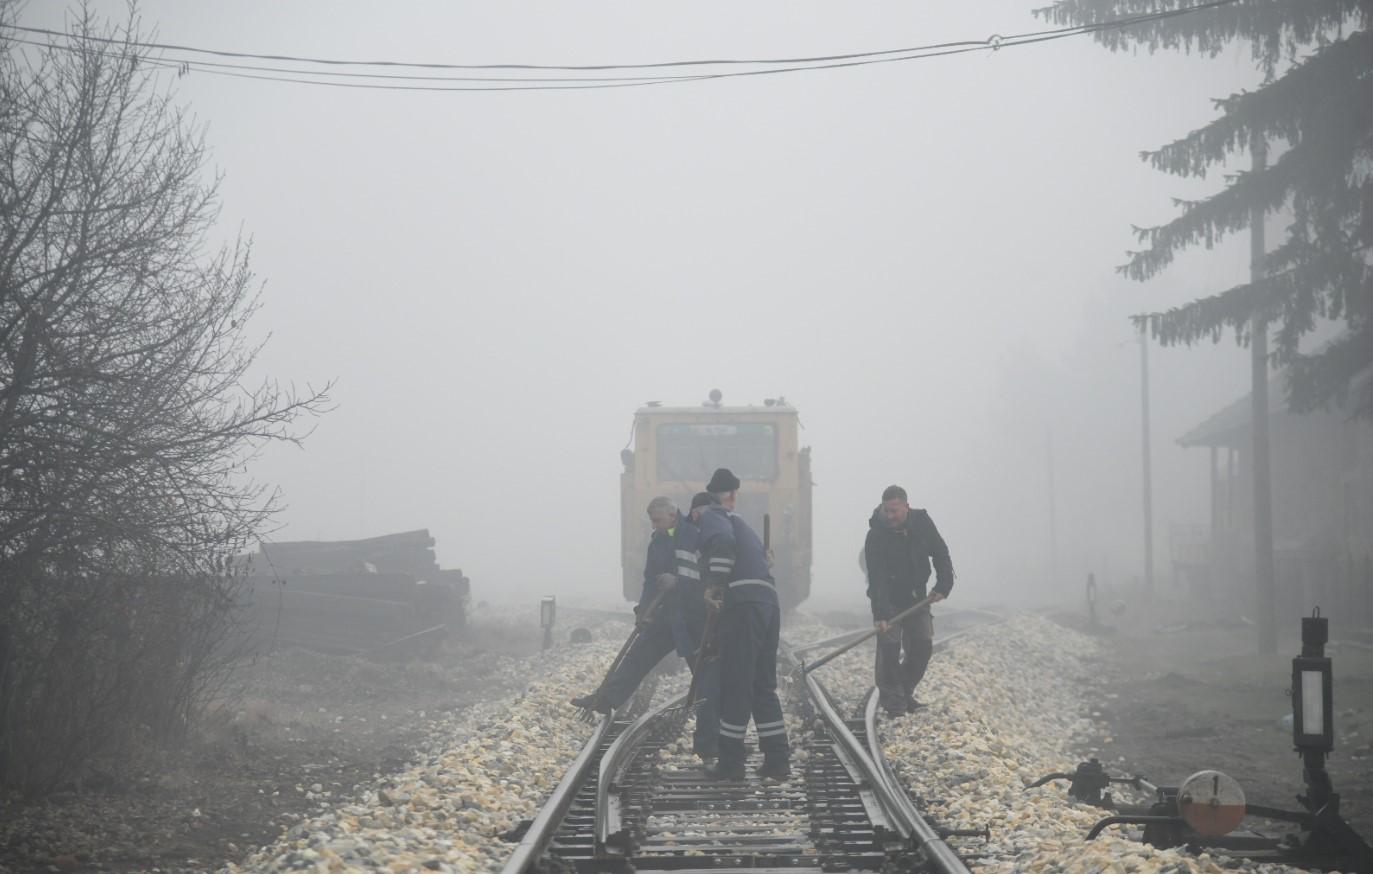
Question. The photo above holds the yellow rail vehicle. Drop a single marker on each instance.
(677, 448)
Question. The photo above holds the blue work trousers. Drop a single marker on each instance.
(748, 636)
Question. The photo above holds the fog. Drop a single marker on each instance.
(919, 256)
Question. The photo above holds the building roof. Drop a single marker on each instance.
(1230, 426)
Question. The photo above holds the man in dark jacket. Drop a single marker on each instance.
(902, 543)
(678, 623)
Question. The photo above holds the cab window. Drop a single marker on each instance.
(691, 452)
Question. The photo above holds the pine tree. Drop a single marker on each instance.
(1316, 107)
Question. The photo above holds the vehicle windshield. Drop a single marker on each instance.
(691, 453)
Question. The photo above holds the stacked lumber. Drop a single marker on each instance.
(410, 552)
(384, 595)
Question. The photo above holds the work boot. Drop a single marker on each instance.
(595, 701)
(724, 771)
(775, 768)
(914, 705)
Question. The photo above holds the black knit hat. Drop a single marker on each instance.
(722, 481)
(703, 499)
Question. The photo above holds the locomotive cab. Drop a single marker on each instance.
(675, 450)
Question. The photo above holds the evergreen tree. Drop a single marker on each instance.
(1316, 106)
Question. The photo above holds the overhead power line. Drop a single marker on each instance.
(430, 82)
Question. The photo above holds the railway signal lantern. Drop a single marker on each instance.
(1313, 706)
(548, 610)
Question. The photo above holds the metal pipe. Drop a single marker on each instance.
(830, 641)
(871, 632)
(1132, 820)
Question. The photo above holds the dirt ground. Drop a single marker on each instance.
(1184, 694)
(306, 729)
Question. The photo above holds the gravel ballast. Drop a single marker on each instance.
(1006, 704)
(489, 769)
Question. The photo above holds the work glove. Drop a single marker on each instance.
(666, 582)
(715, 598)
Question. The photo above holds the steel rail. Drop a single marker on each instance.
(937, 854)
(900, 809)
(536, 839)
(854, 750)
(607, 757)
(936, 851)
(617, 758)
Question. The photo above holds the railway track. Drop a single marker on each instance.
(629, 802)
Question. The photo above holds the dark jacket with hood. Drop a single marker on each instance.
(898, 562)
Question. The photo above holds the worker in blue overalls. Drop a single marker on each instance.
(678, 623)
(740, 587)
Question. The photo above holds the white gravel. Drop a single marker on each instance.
(492, 767)
(1007, 704)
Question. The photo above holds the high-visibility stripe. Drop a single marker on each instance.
(731, 734)
(762, 725)
(771, 732)
(752, 583)
(689, 573)
(731, 725)
(686, 555)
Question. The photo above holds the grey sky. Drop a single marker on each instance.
(919, 256)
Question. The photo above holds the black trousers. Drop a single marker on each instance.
(653, 644)
(898, 672)
(748, 637)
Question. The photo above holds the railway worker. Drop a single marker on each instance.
(901, 544)
(677, 625)
(740, 587)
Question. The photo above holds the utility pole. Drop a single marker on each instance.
(1053, 517)
(1265, 576)
(1148, 460)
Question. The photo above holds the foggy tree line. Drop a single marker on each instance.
(126, 410)
(1314, 110)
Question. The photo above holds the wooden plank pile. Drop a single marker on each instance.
(410, 552)
(382, 595)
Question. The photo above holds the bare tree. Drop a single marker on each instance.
(126, 415)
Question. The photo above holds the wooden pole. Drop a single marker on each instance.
(1053, 516)
(1148, 461)
(1265, 575)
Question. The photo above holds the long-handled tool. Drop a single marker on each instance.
(645, 616)
(701, 657)
(923, 602)
(767, 538)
